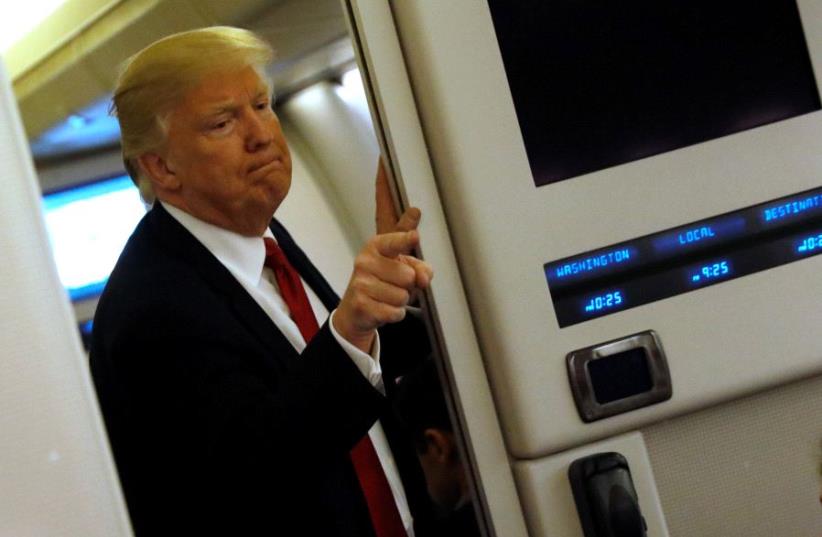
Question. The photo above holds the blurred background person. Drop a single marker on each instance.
(421, 408)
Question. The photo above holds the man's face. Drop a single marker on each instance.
(442, 468)
(227, 153)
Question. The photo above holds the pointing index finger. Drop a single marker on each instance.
(400, 242)
(386, 215)
(409, 220)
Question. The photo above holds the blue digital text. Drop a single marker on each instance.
(604, 302)
(790, 208)
(697, 233)
(593, 263)
(711, 271)
(809, 244)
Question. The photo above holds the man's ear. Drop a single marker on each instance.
(439, 444)
(156, 167)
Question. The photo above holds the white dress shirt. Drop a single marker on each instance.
(244, 258)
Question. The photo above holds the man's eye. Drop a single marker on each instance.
(263, 105)
(220, 125)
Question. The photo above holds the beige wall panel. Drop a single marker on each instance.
(745, 469)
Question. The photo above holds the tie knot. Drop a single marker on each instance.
(274, 256)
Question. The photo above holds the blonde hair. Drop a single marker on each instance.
(152, 82)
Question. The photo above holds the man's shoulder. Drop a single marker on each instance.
(148, 262)
(152, 279)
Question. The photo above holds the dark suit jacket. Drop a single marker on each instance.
(216, 424)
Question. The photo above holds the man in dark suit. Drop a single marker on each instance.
(230, 409)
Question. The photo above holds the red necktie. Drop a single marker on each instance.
(381, 506)
(291, 289)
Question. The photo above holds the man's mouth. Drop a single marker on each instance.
(267, 163)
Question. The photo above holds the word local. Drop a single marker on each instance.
(696, 234)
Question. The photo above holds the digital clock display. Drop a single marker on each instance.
(604, 302)
(686, 258)
(810, 244)
(709, 272)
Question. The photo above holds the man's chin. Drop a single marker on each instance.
(271, 196)
(259, 215)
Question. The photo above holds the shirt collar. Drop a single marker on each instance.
(242, 256)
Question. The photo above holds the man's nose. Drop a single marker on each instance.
(258, 134)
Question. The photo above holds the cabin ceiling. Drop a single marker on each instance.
(68, 65)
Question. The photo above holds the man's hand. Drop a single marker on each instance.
(386, 273)
(386, 217)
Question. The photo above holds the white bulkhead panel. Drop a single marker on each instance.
(721, 342)
(546, 491)
(748, 468)
(57, 476)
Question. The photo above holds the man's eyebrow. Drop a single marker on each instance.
(230, 105)
(219, 108)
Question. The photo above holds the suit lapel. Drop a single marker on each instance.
(183, 245)
(305, 267)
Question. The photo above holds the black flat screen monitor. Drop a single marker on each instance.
(598, 84)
